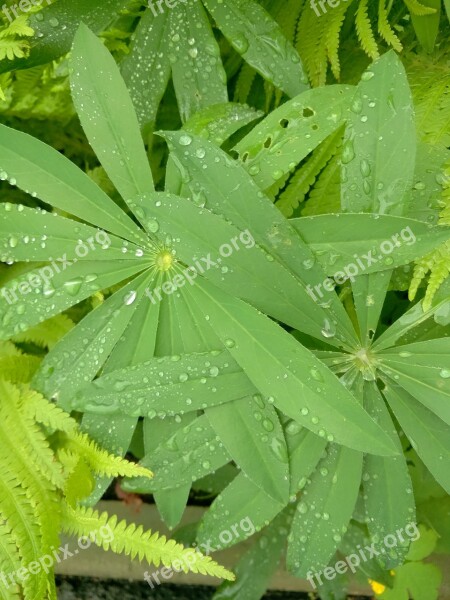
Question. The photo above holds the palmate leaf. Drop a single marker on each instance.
(230, 192)
(285, 371)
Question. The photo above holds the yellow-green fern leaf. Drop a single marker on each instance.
(306, 175)
(18, 27)
(101, 461)
(9, 563)
(135, 542)
(11, 49)
(46, 334)
(384, 28)
(79, 483)
(47, 413)
(325, 196)
(19, 369)
(244, 83)
(364, 31)
(8, 349)
(333, 39)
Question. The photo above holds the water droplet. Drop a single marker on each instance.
(445, 373)
(73, 286)
(129, 298)
(185, 140)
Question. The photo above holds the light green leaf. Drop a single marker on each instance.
(47, 174)
(242, 505)
(22, 307)
(380, 141)
(230, 192)
(258, 38)
(335, 239)
(167, 386)
(250, 430)
(331, 494)
(108, 118)
(197, 71)
(190, 453)
(146, 69)
(389, 500)
(427, 26)
(289, 133)
(80, 355)
(423, 369)
(28, 234)
(305, 450)
(429, 436)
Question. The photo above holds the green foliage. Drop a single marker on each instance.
(289, 378)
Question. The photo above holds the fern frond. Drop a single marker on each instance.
(364, 31)
(11, 49)
(384, 28)
(305, 176)
(325, 197)
(430, 86)
(19, 369)
(333, 39)
(135, 542)
(101, 461)
(244, 83)
(8, 349)
(437, 263)
(18, 27)
(47, 333)
(47, 413)
(9, 563)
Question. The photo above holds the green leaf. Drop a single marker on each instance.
(57, 291)
(423, 370)
(55, 27)
(48, 175)
(29, 234)
(429, 436)
(257, 37)
(335, 239)
(427, 26)
(190, 453)
(305, 450)
(416, 580)
(250, 430)
(380, 141)
(256, 567)
(146, 69)
(167, 386)
(436, 514)
(289, 133)
(108, 118)
(424, 545)
(324, 510)
(241, 502)
(81, 354)
(389, 500)
(300, 385)
(198, 74)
